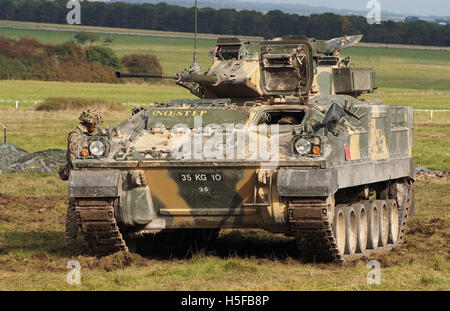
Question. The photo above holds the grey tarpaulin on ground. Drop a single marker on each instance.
(15, 159)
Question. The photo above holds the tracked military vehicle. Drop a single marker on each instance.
(278, 140)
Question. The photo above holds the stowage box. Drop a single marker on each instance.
(354, 80)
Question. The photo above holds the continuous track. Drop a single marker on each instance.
(310, 223)
(99, 226)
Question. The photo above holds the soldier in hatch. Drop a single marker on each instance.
(90, 118)
(287, 120)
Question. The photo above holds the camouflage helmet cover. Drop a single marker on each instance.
(92, 116)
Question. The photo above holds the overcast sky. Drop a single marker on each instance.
(413, 7)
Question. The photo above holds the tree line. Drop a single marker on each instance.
(227, 21)
(28, 59)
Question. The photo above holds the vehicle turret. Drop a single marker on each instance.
(292, 66)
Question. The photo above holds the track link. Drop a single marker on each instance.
(99, 226)
(310, 223)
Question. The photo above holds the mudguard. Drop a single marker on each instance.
(95, 184)
(325, 182)
(307, 183)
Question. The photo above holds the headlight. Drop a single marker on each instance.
(302, 146)
(97, 148)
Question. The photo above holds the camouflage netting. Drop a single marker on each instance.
(14, 159)
(9, 154)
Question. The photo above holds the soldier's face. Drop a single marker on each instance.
(91, 127)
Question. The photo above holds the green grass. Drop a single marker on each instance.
(17, 184)
(123, 93)
(149, 93)
(416, 98)
(432, 141)
(405, 69)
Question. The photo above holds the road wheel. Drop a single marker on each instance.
(351, 230)
(339, 229)
(373, 225)
(361, 223)
(393, 221)
(383, 222)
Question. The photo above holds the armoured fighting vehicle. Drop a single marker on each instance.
(279, 139)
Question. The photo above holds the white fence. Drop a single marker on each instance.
(430, 111)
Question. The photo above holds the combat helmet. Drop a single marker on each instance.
(92, 116)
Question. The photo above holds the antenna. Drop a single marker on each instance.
(195, 68)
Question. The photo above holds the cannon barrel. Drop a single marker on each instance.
(180, 77)
(199, 78)
(145, 75)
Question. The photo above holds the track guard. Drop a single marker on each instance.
(95, 184)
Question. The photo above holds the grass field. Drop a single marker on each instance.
(34, 253)
(31, 131)
(149, 93)
(122, 93)
(396, 68)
